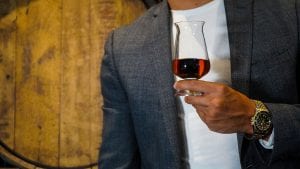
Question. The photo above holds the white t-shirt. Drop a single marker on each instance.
(208, 149)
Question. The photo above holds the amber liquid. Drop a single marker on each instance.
(190, 68)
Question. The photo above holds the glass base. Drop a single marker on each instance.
(188, 93)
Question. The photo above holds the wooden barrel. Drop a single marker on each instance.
(50, 102)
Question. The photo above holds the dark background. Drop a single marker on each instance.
(149, 3)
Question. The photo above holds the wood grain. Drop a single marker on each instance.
(76, 60)
(50, 98)
(7, 72)
(38, 81)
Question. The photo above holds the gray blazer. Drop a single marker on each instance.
(142, 125)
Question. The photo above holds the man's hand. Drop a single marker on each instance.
(222, 108)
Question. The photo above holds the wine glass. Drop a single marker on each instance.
(190, 60)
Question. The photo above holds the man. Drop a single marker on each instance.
(144, 126)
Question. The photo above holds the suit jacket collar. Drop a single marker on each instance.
(162, 59)
(239, 14)
(239, 21)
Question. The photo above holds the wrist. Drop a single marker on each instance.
(249, 128)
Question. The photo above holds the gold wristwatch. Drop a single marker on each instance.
(261, 121)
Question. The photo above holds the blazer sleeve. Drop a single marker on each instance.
(286, 150)
(286, 122)
(119, 146)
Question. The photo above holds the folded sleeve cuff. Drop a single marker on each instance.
(268, 144)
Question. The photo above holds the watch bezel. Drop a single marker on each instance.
(262, 122)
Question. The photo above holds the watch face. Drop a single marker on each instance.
(263, 121)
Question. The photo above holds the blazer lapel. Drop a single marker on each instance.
(162, 59)
(239, 22)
